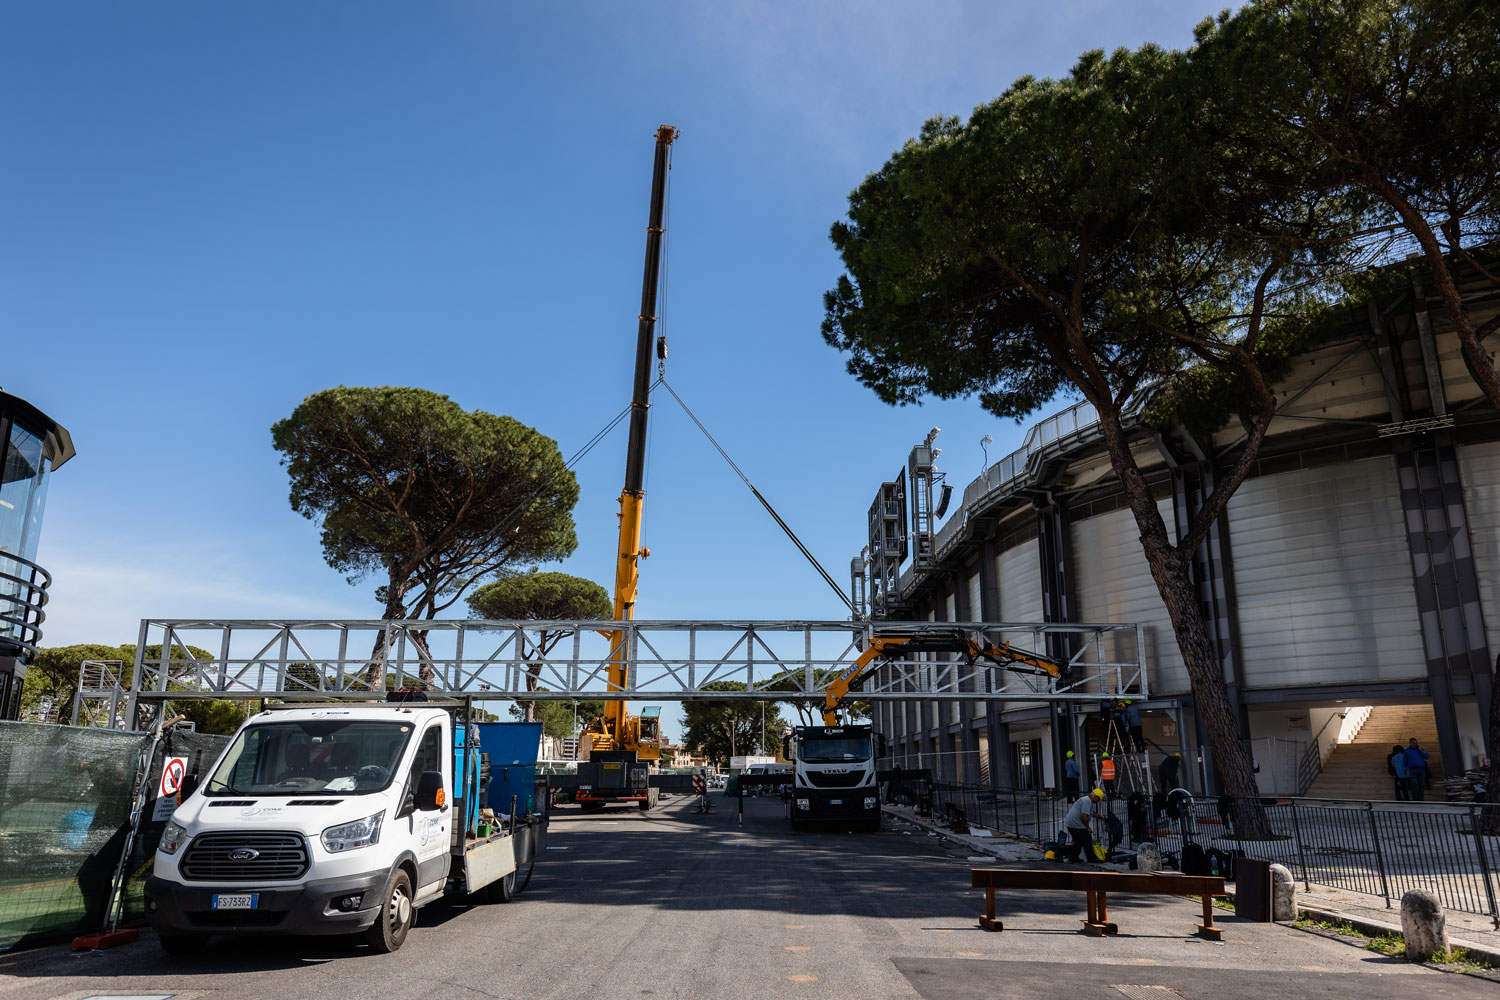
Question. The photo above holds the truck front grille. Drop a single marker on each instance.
(821, 779)
(279, 857)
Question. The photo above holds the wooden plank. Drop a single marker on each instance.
(1128, 882)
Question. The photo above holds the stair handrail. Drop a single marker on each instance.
(1313, 758)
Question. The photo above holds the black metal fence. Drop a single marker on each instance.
(1375, 848)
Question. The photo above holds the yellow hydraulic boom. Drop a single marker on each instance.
(618, 729)
(946, 641)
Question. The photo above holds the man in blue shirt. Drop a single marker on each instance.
(1395, 763)
(1416, 765)
(1070, 776)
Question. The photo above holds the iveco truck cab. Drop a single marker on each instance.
(834, 777)
(336, 819)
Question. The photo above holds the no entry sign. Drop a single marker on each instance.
(172, 773)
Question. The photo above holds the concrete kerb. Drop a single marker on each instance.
(1377, 928)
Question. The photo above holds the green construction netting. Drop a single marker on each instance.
(65, 797)
(65, 809)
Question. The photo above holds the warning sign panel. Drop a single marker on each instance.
(172, 773)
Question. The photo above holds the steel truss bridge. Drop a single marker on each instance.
(789, 661)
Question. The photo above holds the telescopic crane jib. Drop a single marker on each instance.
(937, 641)
(617, 730)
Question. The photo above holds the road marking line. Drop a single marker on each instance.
(795, 927)
(798, 947)
(803, 979)
(969, 954)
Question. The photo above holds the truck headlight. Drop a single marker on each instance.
(870, 802)
(348, 836)
(804, 804)
(172, 838)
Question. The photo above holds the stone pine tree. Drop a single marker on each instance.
(541, 597)
(1080, 236)
(727, 728)
(1399, 100)
(432, 498)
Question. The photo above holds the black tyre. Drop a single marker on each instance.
(397, 914)
(502, 890)
(871, 825)
(183, 944)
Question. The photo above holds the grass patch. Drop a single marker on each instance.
(1218, 901)
(1333, 926)
(1394, 945)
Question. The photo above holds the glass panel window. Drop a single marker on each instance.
(23, 491)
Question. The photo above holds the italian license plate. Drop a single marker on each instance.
(236, 901)
(835, 802)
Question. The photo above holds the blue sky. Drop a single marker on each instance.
(210, 211)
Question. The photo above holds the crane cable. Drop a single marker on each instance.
(763, 501)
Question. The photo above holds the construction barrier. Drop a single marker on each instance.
(66, 815)
(65, 798)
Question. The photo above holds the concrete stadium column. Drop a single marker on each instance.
(1447, 587)
(1055, 551)
(989, 611)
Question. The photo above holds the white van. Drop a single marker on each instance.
(332, 819)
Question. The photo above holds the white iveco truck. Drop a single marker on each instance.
(834, 779)
(336, 819)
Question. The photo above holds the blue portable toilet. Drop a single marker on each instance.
(512, 748)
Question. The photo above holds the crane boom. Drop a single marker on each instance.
(943, 641)
(619, 728)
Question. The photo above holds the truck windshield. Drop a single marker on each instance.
(831, 750)
(311, 757)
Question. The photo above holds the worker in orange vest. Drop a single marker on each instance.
(1107, 775)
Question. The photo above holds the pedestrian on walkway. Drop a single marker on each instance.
(1395, 764)
(1070, 775)
(1078, 823)
(1416, 764)
(1133, 721)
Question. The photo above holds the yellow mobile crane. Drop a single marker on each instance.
(939, 641)
(621, 746)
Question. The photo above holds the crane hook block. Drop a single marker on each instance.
(661, 348)
(645, 553)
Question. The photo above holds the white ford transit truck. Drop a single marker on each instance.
(337, 819)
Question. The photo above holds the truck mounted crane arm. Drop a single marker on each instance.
(945, 641)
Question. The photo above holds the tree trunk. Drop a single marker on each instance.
(395, 610)
(1170, 570)
(1480, 365)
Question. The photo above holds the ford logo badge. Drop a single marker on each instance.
(244, 854)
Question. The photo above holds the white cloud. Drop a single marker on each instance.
(101, 595)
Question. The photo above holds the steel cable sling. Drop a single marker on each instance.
(763, 501)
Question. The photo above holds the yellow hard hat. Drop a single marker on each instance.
(1098, 791)
(1070, 755)
(1106, 756)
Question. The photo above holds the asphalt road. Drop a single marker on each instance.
(671, 904)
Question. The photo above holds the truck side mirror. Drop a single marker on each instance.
(430, 793)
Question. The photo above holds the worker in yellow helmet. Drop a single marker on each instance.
(1107, 774)
(1070, 776)
(1079, 824)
